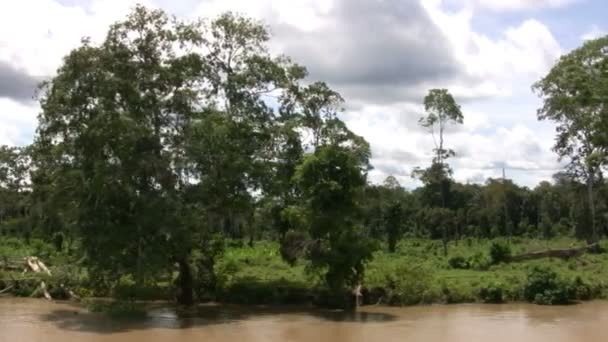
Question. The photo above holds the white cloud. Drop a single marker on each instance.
(517, 5)
(593, 33)
(497, 70)
(36, 34)
(34, 37)
(302, 14)
(506, 133)
(17, 122)
(528, 49)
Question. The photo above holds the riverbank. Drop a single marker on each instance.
(417, 273)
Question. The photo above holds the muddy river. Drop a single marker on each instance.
(32, 320)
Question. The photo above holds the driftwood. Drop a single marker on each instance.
(556, 253)
(34, 265)
(7, 288)
(11, 267)
(44, 290)
(357, 294)
(70, 293)
(37, 266)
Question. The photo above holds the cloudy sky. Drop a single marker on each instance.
(381, 55)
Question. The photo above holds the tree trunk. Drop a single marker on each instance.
(445, 241)
(556, 253)
(590, 178)
(139, 269)
(185, 295)
(392, 242)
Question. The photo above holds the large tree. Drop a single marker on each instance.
(160, 135)
(332, 180)
(442, 111)
(574, 94)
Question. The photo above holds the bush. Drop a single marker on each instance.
(493, 293)
(479, 261)
(253, 292)
(500, 252)
(459, 262)
(127, 289)
(454, 293)
(583, 291)
(545, 287)
(407, 285)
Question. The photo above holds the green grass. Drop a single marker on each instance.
(258, 275)
(262, 262)
(416, 273)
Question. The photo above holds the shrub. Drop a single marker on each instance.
(253, 292)
(458, 262)
(407, 284)
(583, 291)
(127, 289)
(454, 293)
(479, 261)
(500, 252)
(493, 293)
(544, 286)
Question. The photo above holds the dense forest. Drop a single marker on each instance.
(163, 147)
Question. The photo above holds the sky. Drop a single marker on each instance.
(381, 55)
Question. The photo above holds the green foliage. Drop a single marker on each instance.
(479, 261)
(15, 248)
(545, 286)
(332, 181)
(127, 289)
(574, 93)
(408, 285)
(459, 262)
(500, 252)
(492, 293)
(442, 110)
(157, 138)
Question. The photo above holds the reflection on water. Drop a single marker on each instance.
(172, 317)
(38, 320)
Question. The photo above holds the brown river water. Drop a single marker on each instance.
(32, 320)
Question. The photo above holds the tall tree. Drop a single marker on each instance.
(160, 135)
(442, 111)
(332, 180)
(574, 94)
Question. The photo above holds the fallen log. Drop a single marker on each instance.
(556, 253)
(36, 265)
(11, 267)
(7, 288)
(70, 293)
(45, 291)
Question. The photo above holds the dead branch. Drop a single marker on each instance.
(556, 253)
(7, 288)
